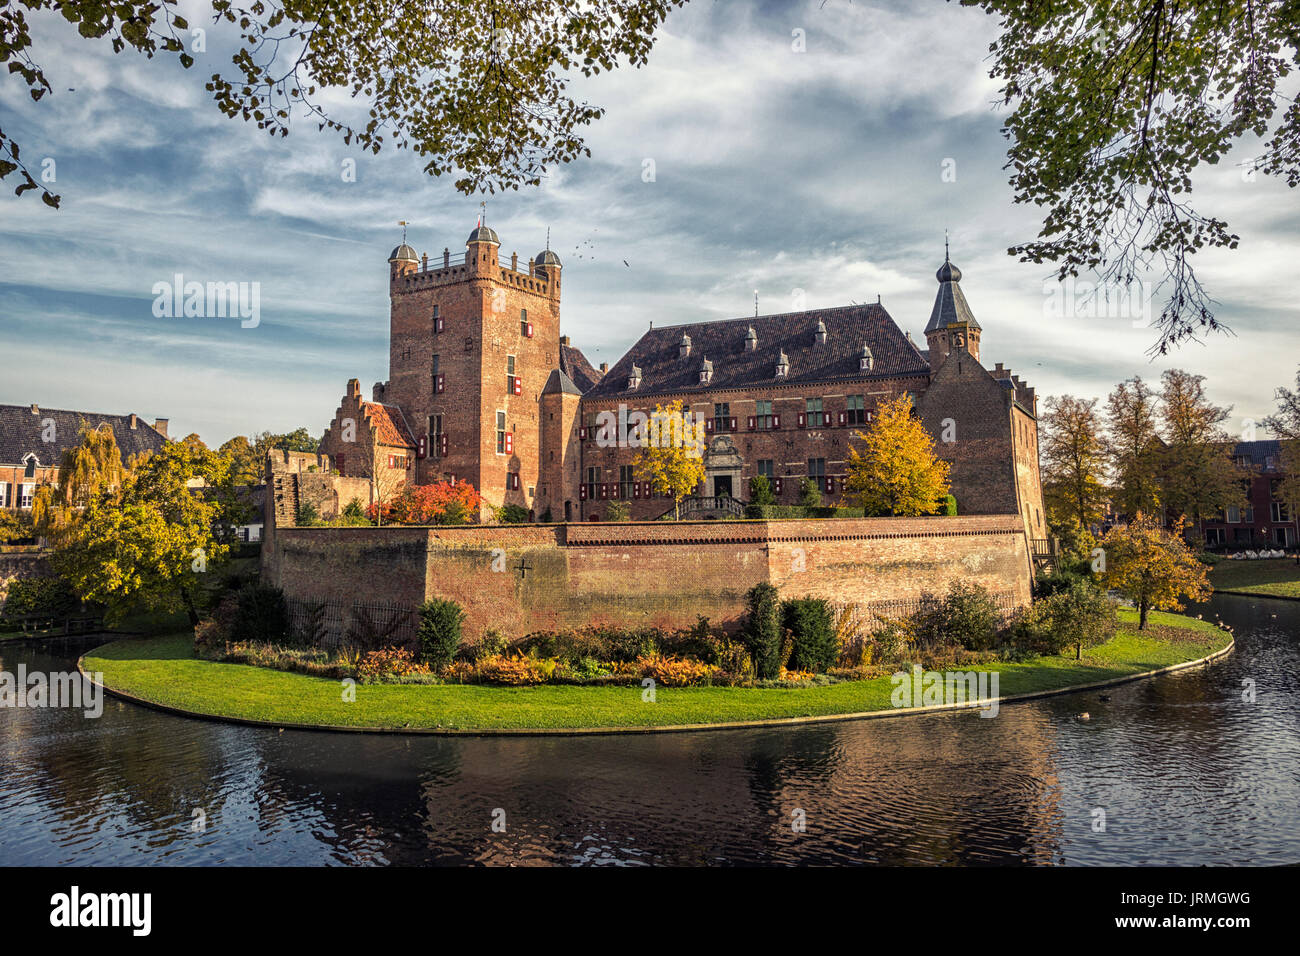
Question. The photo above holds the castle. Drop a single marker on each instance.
(483, 388)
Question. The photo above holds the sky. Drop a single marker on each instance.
(811, 153)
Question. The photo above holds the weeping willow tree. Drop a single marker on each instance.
(88, 470)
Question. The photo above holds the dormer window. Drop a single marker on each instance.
(706, 372)
(634, 380)
(868, 360)
(783, 365)
(751, 340)
(684, 347)
(821, 332)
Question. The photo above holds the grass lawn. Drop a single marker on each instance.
(1274, 577)
(164, 670)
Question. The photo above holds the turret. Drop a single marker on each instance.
(952, 325)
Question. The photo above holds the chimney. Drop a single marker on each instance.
(160, 426)
(134, 421)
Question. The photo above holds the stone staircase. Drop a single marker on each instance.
(706, 507)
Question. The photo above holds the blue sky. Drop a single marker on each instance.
(775, 170)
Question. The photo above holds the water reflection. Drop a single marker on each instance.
(1185, 771)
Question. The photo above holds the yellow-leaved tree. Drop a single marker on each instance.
(896, 471)
(672, 453)
(1151, 567)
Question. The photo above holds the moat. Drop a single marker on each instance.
(1186, 771)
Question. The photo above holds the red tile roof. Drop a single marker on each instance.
(389, 422)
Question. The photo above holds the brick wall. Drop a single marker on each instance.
(518, 579)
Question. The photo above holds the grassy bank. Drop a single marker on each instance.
(164, 670)
(1276, 577)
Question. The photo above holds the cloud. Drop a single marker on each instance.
(774, 170)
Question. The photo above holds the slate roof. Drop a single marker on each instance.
(575, 365)
(391, 424)
(22, 431)
(950, 304)
(1260, 451)
(559, 382)
(848, 328)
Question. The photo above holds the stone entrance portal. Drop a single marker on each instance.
(722, 465)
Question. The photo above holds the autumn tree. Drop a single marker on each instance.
(1152, 568)
(1285, 424)
(482, 88)
(896, 472)
(89, 469)
(1199, 476)
(671, 457)
(1073, 462)
(149, 544)
(1114, 105)
(1133, 446)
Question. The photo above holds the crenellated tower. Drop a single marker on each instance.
(472, 343)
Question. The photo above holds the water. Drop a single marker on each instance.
(1186, 772)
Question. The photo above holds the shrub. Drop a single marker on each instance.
(762, 631)
(810, 494)
(49, 596)
(490, 644)
(760, 491)
(675, 671)
(1077, 616)
(967, 618)
(212, 634)
(809, 622)
(512, 514)
(440, 631)
(388, 662)
(261, 615)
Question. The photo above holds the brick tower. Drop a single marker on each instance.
(472, 343)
